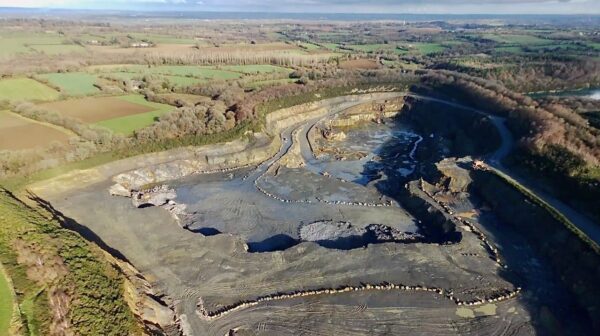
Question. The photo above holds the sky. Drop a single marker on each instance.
(331, 6)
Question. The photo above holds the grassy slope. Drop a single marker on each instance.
(25, 89)
(95, 289)
(6, 304)
(126, 125)
(74, 84)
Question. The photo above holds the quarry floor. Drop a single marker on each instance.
(234, 247)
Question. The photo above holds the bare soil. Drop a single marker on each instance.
(91, 110)
(359, 64)
(17, 133)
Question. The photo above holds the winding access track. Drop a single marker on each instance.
(494, 161)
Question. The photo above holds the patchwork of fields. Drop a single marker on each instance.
(403, 48)
(523, 43)
(121, 114)
(17, 133)
(50, 43)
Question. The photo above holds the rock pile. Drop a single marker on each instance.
(384, 233)
(492, 250)
(156, 196)
(501, 295)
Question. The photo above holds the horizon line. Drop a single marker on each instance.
(284, 12)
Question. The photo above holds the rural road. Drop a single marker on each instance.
(494, 160)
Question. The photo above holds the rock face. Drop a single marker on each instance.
(343, 235)
(455, 178)
(228, 156)
(119, 190)
(161, 196)
(235, 154)
(157, 196)
(384, 233)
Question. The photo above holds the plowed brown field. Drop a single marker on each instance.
(18, 133)
(93, 109)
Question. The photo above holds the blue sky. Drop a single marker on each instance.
(332, 6)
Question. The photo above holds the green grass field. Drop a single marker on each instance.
(515, 39)
(256, 69)
(73, 83)
(164, 39)
(309, 46)
(331, 46)
(512, 50)
(14, 89)
(172, 70)
(180, 81)
(594, 45)
(6, 304)
(122, 75)
(428, 48)
(14, 43)
(57, 49)
(195, 71)
(127, 125)
(369, 48)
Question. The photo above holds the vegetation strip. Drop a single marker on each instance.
(7, 302)
(72, 286)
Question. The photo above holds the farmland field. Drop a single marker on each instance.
(359, 64)
(15, 43)
(58, 49)
(515, 39)
(514, 50)
(25, 89)
(309, 46)
(370, 47)
(127, 124)
(429, 48)
(164, 39)
(181, 81)
(256, 68)
(18, 133)
(74, 84)
(122, 114)
(172, 70)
